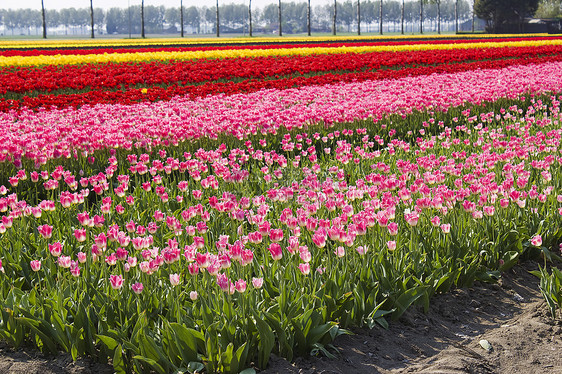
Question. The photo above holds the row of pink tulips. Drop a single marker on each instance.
(66, 133)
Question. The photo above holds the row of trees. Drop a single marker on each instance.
(549, 9)
(283, 16)
(509, 15)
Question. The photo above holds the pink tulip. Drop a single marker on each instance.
(174, 279)
(55, 249)
(75, 271)
(392, 228)
(137, 288)
(276, 235)
(80, 235)
(536, 241)
(81, 257)
(275, 250)
(64, 261)
(45, 230)
(35, 265)
(240, 285)
(116, 281)
(257, 282)
(304, 268)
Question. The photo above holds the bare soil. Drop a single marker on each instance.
(30, 361)
(511, 315)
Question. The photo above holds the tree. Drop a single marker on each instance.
(438, 3)
(294, 17)
(154, 18)
(505, 15)
(358, 17)
(335, 17)
(193, 18)
(421, 16)
(369, 12)
(308, 18)
(456, 16)
(217, 21)
(549, 9)
(99, 18)
(392, 13)
(92, 17)
(346, 14)
(142, 18)
(181, 17)
(402, 19)
(44, 23)
(28, 18)
(250, 18)
(279, 15)
(380, 19)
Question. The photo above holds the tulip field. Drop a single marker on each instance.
(172, 207)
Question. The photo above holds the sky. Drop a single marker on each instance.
(59, 4)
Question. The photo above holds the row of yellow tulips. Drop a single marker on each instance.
(31, 44)
(237, 53)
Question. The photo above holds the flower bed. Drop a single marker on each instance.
(211, 232)
(236, 53)
(130, 83)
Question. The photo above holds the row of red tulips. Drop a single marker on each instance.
(118, 75)
(168, 48)
(158, 93)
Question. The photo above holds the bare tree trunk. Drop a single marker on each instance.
(142, 19)
(308, 18)
(358, 17)
(438, 16)
(380, 21)
(402, 20)
(250, 17)
(473, 16)
(456, 16)
(92, 17)
(44, 22)
(335, 16)
(218, 29)
(421, 16)
(181, 17)
(279, 15)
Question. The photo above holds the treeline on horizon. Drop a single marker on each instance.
(233, 17)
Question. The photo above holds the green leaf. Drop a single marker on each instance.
(377, 316)
(490, 276)
(153, 364)
(150, 350)
(285, 347)
(267, 341)
(405, 300)
(109, 342)
(45, 339)
(318, 332)
(241, 354)
(299, 337)
(187, 340)
(320, 348)
(509, 260)
(536, 273)
(118, 363)
(229, 365)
